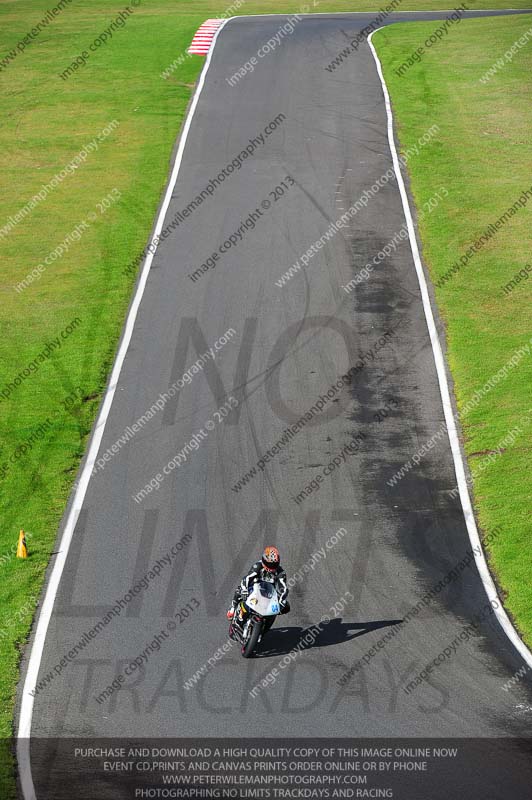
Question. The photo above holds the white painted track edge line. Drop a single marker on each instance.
(480, 560)
(500, 12)
(37, 647)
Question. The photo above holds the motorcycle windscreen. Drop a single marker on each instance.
(266, 589)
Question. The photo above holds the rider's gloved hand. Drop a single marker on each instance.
(285, 608)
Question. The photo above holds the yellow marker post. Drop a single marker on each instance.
(22, 549)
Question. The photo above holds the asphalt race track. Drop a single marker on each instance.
(289, 346)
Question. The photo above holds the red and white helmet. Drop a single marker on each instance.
(271, 559)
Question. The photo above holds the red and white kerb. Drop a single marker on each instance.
(203, 37)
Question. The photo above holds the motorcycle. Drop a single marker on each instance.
(254, 619)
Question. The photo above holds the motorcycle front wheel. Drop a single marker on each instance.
(254, 632)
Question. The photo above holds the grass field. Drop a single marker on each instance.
(101, 212)
(484, 162)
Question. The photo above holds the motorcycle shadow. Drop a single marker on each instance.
(280, 641)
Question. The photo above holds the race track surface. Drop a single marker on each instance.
(290, 345)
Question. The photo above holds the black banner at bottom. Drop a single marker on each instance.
(280, 769)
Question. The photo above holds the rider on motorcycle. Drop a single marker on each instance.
(267, 569)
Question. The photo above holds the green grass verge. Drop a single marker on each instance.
(483, 159)
(45, 421)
